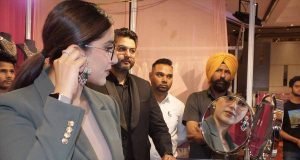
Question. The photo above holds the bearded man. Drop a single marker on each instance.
(140, 114)
(220, 71)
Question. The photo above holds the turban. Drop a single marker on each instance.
(216, 60)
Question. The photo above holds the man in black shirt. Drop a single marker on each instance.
(140, 114)
(291, 122)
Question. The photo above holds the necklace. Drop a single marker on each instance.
(27, 51)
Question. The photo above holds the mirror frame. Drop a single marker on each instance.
(250, 112)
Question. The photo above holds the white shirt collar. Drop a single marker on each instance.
(166, 100)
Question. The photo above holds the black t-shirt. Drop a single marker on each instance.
(291, 125)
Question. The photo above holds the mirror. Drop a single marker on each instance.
(226, 124)
(266, 126)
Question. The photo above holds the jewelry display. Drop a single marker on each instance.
(8, 46)
(28, 52)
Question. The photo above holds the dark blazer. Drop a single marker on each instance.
(33, 124)
(146, 119)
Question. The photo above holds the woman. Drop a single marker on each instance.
(227, 111)
(51, 114)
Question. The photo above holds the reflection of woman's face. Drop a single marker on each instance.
(230, 110)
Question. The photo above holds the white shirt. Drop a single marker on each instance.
(172, 110)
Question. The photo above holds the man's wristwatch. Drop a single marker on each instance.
(60, 97)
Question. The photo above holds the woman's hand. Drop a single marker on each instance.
(67, 69)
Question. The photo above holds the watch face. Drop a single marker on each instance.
(54, 95)
(60, 97)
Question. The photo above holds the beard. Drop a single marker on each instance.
(295, 94)
(163, 88)
(123, 68)
(220, 85)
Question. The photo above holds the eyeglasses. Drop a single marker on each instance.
(239, 101)
(110, 50)
(123, 49)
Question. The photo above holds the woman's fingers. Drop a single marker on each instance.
(67, 69)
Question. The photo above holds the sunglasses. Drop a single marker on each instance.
(239, 101)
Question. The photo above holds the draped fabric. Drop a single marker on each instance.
(187, 32)
(119, 13)
(40, 12)
(12, 15)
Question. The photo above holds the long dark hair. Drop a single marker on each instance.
(70, 22)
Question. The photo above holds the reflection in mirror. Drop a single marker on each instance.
(226, 124)
(266, 126)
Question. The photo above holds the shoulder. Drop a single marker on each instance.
(176, 100)
(139, 80)
(25, 100)
(20, 95)
(198, 95)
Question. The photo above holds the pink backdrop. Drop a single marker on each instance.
(118, 12)
(187, 32)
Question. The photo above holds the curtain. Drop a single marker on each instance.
(40, 12)
(187, 32)
(118, 12)
(12, 15)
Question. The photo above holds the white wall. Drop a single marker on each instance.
(283, 53)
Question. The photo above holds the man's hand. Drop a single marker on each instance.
(194, 133)
(288, 137)
(168, 157)
(298, 143)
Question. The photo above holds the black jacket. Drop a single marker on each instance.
(146, 118)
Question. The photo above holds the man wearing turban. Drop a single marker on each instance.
(220, 71)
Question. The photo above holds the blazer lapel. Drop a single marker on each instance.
(112, 91)
(135, 103)
(106, 123)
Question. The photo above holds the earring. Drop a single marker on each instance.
(84, 75)
(244, 123)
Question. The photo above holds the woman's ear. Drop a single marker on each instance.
(75, 48)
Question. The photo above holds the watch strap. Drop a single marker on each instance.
(60, 97)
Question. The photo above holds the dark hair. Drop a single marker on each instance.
(293, 81)
(70, 22)
(125, 32)
(6, 57)
(162, 61)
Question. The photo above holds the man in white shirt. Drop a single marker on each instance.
(161, 78)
